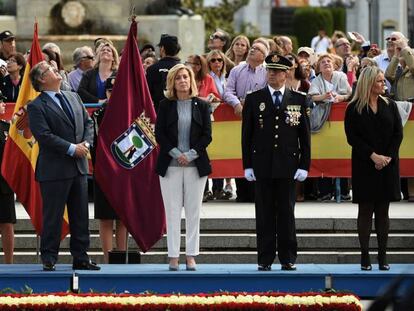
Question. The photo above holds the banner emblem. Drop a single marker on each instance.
(135, 144)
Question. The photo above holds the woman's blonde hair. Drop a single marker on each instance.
(230, 52)
(363, 89)
(211, 55)
(170, 91)
(115, 62)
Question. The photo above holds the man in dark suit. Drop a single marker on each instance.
(63, 130)
(276, 152)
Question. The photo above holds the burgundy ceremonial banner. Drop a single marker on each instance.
(127, 152)
(21, 150)
(331, 154)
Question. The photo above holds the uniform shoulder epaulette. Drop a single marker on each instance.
(299, 92)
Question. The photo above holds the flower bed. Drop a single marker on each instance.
(218, 301)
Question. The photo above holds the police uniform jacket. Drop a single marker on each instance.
(275, 141)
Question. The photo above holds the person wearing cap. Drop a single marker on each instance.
(8, 44)
(276, 153)
(308, 54)
(157, 73)
(83, 59)
(102, 209)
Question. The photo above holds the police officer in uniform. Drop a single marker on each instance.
(276, 152)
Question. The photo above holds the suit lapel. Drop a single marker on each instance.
(77, 113)
(285, 98)
(51, 105)
(195, 111)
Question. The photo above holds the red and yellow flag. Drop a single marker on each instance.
(21, 150)
(331, 154)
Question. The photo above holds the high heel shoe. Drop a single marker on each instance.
(366, 268)
(384, 267)
(365, 262)
(382, 262)
(173, 266)
(190, 266)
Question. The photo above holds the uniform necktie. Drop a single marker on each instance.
(276, 94)
(64, 106)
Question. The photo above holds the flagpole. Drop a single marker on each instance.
(127, 248)
(38, 248)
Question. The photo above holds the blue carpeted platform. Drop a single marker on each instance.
(208, 278)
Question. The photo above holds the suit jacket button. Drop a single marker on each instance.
(275, 145)
(277, 126)
(276, 136)
(277, 118)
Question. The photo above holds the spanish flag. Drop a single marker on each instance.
(21, 150)
(331, 154)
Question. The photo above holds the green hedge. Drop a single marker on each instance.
(339, 18)
(308, 20)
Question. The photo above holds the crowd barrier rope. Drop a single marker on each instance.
(331, 154)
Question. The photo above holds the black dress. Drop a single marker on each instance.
(7, 208)
(381, 133)
(102, 208)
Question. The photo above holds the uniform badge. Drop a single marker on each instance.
(275, 59)
(293, 115)
(262, 106)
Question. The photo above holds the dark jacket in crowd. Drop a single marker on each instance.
(9, 90)
(157, 77)
(88, 90)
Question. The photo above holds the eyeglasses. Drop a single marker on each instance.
(49, 68)
(342, 44)
(215, 37)
(88, 57)
(213, 60)
(391, 39)
(255, 48)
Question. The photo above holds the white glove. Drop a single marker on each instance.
(249, 174)
(300, 175)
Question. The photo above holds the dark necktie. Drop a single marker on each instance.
(276, 94)
(65, 106)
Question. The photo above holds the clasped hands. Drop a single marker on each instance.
(380, 161)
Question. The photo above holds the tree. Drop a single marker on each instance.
(219, 16)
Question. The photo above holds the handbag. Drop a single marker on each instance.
(318, 115)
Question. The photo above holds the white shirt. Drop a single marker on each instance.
(281, 90)
(320, 45)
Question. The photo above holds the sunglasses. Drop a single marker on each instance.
(88, 57)
(391, 39)
(190, 63)
(215, 37)
(213, 60)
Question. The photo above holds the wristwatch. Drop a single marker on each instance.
(87, 145)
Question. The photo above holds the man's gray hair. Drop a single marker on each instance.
(35, 75)
(81, 52)
(52, 46)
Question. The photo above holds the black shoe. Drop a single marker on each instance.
(345, 197)
(288, 266)
(366, 268)
(48, 266)
(326, 198)
(208, 196)
(264, 267)
(85, 265)
(384, 267)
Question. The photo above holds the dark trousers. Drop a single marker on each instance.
(364, 224)
(275, 220)
(245, 190)
(327, 186)
(55, 194)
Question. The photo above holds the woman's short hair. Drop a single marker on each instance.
(20, 61)
(211, 55)
(80, 52)
(320, 58)
(364, 85)
(230, 52)
(115, 62)
(170, 91)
